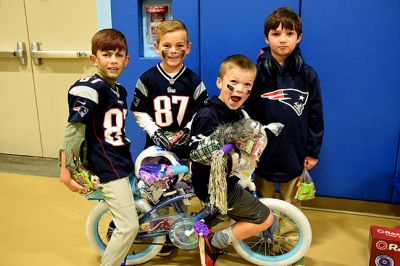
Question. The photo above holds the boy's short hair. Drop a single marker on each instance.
(285, 16)
(237, 60)
(170, 25)
(109, 39)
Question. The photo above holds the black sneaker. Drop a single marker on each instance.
(167, 249)
(110, 230)
(208, 253)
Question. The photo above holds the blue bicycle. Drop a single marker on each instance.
(171, 190)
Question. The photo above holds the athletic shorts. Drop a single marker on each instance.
(243, 206)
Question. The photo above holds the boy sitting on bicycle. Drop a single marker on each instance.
(235, 80)
(97, 112)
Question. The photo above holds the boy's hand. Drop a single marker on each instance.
(159, 138)
(310, 162)
(65, 178)
(184, 139)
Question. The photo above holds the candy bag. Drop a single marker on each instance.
(305, 187)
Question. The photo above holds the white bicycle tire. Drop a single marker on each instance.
(97, 240)
(294, 255)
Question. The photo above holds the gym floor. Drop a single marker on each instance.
(43, 223)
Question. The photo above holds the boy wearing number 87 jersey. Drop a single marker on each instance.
(96, 132)
(168, 94)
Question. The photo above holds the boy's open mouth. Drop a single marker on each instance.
(236, 98)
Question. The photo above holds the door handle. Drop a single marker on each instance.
(38, 54)
(20, 53)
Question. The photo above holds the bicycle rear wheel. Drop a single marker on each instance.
(99, 228)
(291, 237)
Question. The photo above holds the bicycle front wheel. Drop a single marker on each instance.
(99, 227)
(291, 237)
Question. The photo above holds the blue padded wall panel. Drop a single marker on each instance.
(125, 17)
(353, 45)
(230, 27)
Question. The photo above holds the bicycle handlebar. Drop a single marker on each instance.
(179, 169)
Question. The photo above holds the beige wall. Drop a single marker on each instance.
(33, 102)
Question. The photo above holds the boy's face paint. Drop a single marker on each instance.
(173, 48)
(231, 88)
(164, 53)
(235, 87)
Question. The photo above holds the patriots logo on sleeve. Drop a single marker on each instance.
(82, 110)
(296, 99)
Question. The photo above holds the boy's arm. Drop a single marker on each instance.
(315, 119)
(145, 122)
(202, 143)
(139, 108)
(65, 175)
(155, 132)
(200, 96)
(74, 137)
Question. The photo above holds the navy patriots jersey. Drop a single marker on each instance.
(169, 101)
(103, 109)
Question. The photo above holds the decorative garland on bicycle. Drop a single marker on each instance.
(248, 136)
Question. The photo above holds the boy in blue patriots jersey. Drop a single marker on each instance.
(96, 132)
(168, 94)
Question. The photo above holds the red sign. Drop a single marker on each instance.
(384, 244)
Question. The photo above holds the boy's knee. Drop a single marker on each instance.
(269, 221)
(130, 228)
(133, 227)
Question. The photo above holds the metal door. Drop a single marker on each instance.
(34, 94)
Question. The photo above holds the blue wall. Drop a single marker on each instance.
(353, 45)
(357, 58)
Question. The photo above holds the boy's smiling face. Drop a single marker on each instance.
(235, 86)
(110, 64)
(173, 48)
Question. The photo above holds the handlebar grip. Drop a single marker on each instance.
(179, 169)
(227, 148)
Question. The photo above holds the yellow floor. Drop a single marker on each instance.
(42, 223)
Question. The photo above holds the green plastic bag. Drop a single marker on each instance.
(305, 187)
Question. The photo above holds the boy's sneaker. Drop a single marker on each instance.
(166, 250)
(208, 253)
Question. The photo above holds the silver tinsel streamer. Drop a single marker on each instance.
(217, 186)
(243, 130)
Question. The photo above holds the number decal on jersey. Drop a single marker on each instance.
(113, 125)
(163, 109)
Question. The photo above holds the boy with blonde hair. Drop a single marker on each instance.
(235, 81)
(168, 94)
